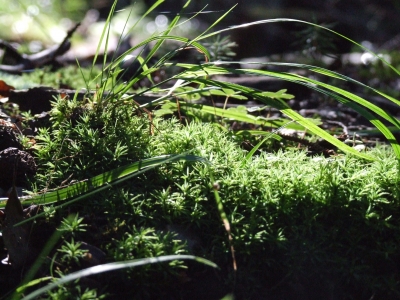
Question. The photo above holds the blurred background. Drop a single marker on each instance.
(33, 25)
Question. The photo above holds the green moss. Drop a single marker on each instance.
(70, 77)
(299, 223)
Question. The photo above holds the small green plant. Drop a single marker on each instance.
(71, 252)
(221, 48)
(73, 225)
(316, 41)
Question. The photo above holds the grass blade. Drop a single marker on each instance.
(226, 223)
(203, 35)
(340, 95)
(233, 114)
(84, 189)
(277, 20)
(114, 267)
(286, 110)
(256, 147)
(27, 282)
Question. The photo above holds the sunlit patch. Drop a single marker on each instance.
(161, 21)
(20, 27)
(57, 34)
(66, 23)
(32, 10)
(5, 261)
(151, 27)
(35, 46)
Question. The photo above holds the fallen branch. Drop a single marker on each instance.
(29, 62)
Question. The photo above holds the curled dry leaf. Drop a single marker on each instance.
(15, 237)
(5, 89)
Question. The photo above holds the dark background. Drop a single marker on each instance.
(361, 20)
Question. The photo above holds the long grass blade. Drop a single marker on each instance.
(225, 221)
(256, 147)
(325, 72)
(183, 40)
(285, 109)
(103, 33)
(114, 267)
(202, 36)
(298, 78)
(341, 95)
(171, 26)
(27, 282)
(233, 114)
(84, 189)
(304, 22)
(106, 180)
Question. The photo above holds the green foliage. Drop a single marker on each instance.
(145, 243)
(70, 77)
(140, 243)
(283, 209)
(73, 224)
(310, 227)
(71, 252)
(316, 41)
(84, 142)
(74, 291)
(221, 48)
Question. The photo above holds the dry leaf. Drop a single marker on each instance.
(15, 237)
(5, 89)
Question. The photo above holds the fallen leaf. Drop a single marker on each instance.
(15, 237)
(5, 89)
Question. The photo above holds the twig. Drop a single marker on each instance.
(28, 62)
(345, 130)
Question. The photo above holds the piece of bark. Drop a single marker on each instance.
(36, 99)
(18, 162)
(9, 135)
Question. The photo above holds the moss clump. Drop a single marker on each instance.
(302, 226)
